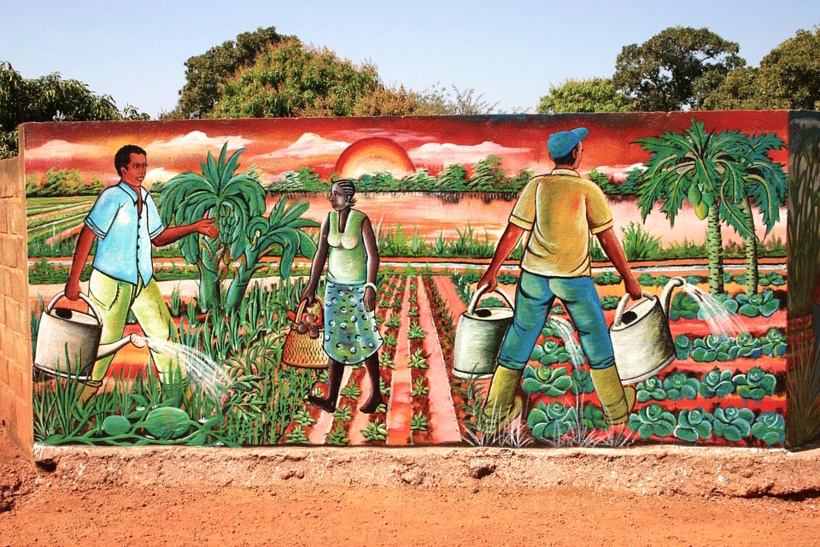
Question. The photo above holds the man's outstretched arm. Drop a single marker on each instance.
(175, 233)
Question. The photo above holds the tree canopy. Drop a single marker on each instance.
(293, 79)
(788, 77)
(205, 73)
(49, 98)
(593, 95)
(676, 69)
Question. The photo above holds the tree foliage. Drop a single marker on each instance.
(593, 95)
(49, 98)
(291, 79)
(788, 77)
(205, 74)
(675, 69)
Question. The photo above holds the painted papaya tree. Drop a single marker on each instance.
(765, 187)
(722, 175)
(246, 235)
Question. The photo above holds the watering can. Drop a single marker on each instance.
(640, 335)
(479, 335)
(68, 341)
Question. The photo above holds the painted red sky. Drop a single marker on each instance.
(279, 145)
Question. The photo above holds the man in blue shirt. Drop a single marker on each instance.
(126, 223)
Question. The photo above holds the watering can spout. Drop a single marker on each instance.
(666, 296)
(106, 350)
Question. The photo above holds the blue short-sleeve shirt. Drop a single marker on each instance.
(124, 235)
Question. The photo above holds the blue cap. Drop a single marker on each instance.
(560, 144)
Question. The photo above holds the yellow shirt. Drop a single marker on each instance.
(560, 210)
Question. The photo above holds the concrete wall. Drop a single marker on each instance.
(15, 334)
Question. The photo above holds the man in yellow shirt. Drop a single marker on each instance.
(560, 211)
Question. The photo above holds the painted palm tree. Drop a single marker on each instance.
(709, 171)
(765, 186)
(237, 202)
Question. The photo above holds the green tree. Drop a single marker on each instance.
(487, 173)
(601, 180)
(765, 187)
(205, 74)
(453, 177)
(788, 77)
(675, 69)
(437, 100)
(593, 95)
(421, 179)
(292, 79)
(49, 98)
(237, 202)
(705, 169)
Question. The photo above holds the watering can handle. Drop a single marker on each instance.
(477, 296)
(91, 306)
(619, 312)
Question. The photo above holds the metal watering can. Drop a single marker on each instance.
(68, 341)
(479, 335)
(641, 338)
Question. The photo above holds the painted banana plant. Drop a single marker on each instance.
(237, 203)
(284, 228)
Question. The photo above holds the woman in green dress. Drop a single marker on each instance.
(348, 244)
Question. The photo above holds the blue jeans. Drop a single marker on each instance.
(534, 298)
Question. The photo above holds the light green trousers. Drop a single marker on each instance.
(113, 299)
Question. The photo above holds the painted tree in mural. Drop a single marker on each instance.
(765, 186)
(699, 167)
(720, 175)
(237, 202)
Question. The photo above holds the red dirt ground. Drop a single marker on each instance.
(156, 497)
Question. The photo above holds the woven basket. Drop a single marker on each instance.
(301, 350)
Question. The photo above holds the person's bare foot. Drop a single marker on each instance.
(322, 403)
(372, 404)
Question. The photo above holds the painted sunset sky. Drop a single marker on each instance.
(276, 146)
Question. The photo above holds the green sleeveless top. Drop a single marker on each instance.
(347, 257)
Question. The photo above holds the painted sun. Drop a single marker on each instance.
(374, 155)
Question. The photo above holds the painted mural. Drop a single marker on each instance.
(585, 280)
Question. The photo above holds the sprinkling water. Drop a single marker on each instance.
(720, 320)
(203, 372)
(565, 331)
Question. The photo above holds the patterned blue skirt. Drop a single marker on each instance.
(351, 333)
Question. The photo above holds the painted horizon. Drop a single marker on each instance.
(277, 146)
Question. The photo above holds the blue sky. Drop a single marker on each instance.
(509, 51)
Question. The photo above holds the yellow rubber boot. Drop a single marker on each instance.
(616, 400)
(502, 406)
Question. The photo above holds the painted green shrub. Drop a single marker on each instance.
(581, 382)
(732, 423)
(679, 386)
(593, 418)
(682, 346)
(774, 344)
(759, 304)
(652, 420)
(651, 389)
(770, 427)
(548, 422)
(552, 382)
(693, 425)
(716, 383)
(755, 384)
(549, 353)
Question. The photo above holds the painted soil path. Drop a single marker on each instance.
(400, 409)
(444, 425)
